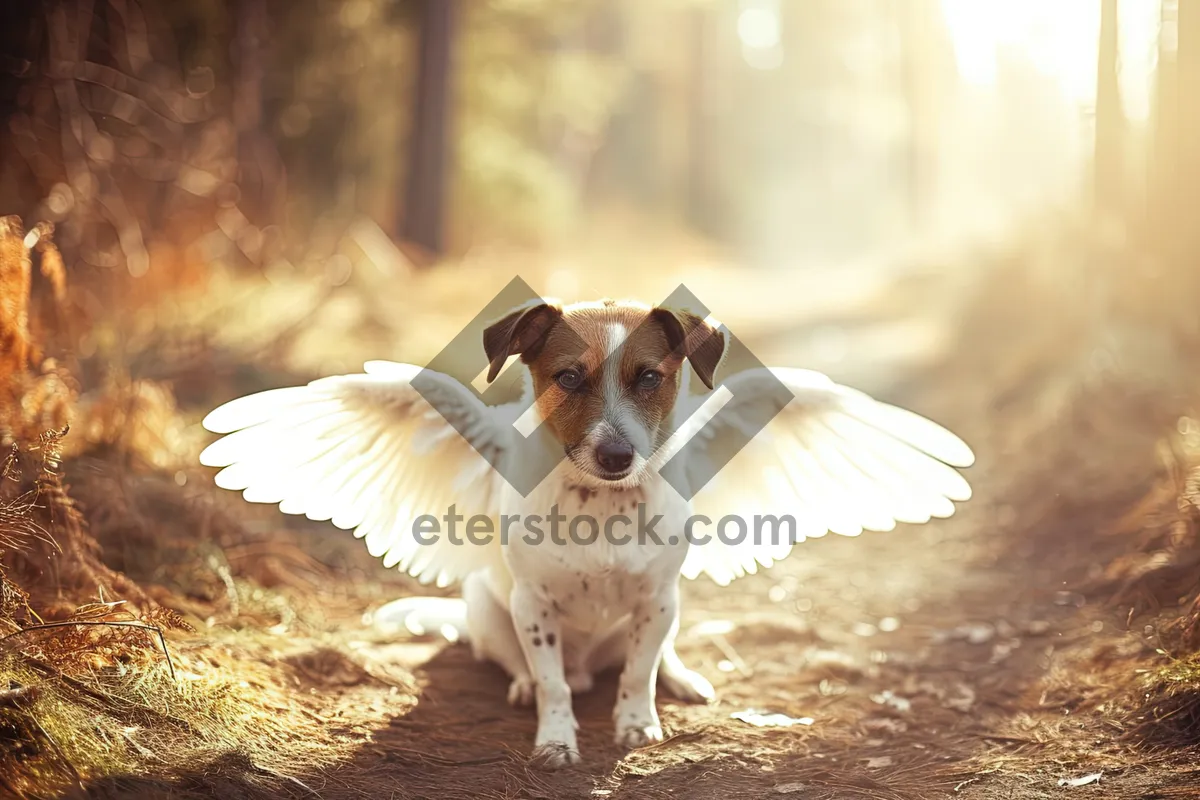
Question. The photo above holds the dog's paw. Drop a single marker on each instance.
(688, 686)
(522, 691)
(553, 756)
(639, 735)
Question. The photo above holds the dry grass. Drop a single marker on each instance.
(275, 697)
(1160, 575)
(99, 690)
(127, 714)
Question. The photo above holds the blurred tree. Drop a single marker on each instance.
(925, 71)
(430, 141)
(536, 91)
(337, 104)
(1174, 180)
(1108, 165)
(1163, 176)
(655, 148)
(260, 171)
(1189, 90)
(815, 131)
(703, 201)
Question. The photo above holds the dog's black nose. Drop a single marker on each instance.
(614, 456)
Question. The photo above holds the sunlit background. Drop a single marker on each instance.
(981, 209)
(837, 143)
(770, 135)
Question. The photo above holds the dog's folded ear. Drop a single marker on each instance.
(702, 344)
(520, 332)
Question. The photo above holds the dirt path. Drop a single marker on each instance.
(938, 661)
(965, 658)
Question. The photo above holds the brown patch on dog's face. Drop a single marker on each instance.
(607, 375)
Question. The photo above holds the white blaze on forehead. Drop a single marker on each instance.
(615, 338)
(620, 416)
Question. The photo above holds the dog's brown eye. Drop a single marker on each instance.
(569, 379)
(650, 379)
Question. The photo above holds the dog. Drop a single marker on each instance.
(619, 436)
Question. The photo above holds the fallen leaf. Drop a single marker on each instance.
(884, 725)
(1002, 650)
(891, 700)
(975, 633)
(963, 699)
(790, 788)
(761, 719)
(1084, 781)
(864, 629)
(712, 627)
(1069, 599)
(879, 762)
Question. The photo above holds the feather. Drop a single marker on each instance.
(369, 453)
(831, 459)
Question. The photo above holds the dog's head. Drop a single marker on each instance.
(606, 376)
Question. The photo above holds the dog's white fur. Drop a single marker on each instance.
(367, 452)
(556, 614)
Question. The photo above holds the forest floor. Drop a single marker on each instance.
(977, 657)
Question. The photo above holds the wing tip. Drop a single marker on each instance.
(212, 422)
(248, 410)
(398, 369)
(209, 457)
(965, 457)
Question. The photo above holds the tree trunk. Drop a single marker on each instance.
(700, 191)
(424, 208)
(1108, 168)
(1174, 180)
(1165, 134)
(924, 49)
(1188, 120)
(261, 173)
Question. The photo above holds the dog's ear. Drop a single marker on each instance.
(521, 331)
(703, 345)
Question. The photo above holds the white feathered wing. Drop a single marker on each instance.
(834, 459)
(369, 453)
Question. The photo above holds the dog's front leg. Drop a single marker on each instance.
(649, 627)
(540, 633)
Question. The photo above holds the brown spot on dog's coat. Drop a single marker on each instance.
(520, 332)
(550, 338)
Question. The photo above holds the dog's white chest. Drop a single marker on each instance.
(600, 552)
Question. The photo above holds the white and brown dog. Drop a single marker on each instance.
(545, 594)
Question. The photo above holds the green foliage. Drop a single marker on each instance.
(532, 93)
(534, 98)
